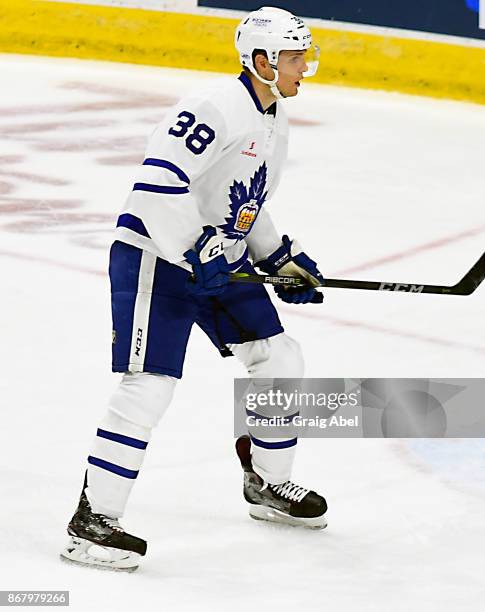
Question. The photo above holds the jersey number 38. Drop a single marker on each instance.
(199, 138)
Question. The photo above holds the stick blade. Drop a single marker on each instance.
(472, 278)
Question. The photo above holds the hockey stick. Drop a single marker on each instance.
(465, 286)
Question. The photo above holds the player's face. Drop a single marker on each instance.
(291, 66)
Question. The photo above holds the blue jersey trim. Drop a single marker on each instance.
(134, 223)
(274, 445)
(160, 188)
(246, 81)
(110, 435)
(164, 163)
(111, 467)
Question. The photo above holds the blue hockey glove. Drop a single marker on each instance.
(211, 270)
(289, 260)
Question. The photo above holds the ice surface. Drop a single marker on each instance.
(378, 186)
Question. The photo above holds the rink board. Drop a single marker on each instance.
(203, 42)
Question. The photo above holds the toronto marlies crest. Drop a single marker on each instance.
(245, 204)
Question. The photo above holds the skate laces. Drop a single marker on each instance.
(111, 522)
(290, 491)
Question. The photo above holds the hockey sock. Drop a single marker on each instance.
(114, 462)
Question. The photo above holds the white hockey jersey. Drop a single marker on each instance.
(214, 160)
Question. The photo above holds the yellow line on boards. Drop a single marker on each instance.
(204, 42)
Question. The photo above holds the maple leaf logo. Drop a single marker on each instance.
(245, 204)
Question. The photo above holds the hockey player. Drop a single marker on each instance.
(196, 212)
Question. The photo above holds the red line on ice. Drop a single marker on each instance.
(386, 330)
(51, 262)
(428, 246)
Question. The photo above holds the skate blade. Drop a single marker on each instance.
(264, 513)
(86, 553)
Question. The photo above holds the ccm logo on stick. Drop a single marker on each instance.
(401, 287)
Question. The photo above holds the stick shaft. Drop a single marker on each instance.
(465, 286)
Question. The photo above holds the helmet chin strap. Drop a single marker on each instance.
(272, 84)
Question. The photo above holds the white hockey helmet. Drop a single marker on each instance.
(274, 30)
